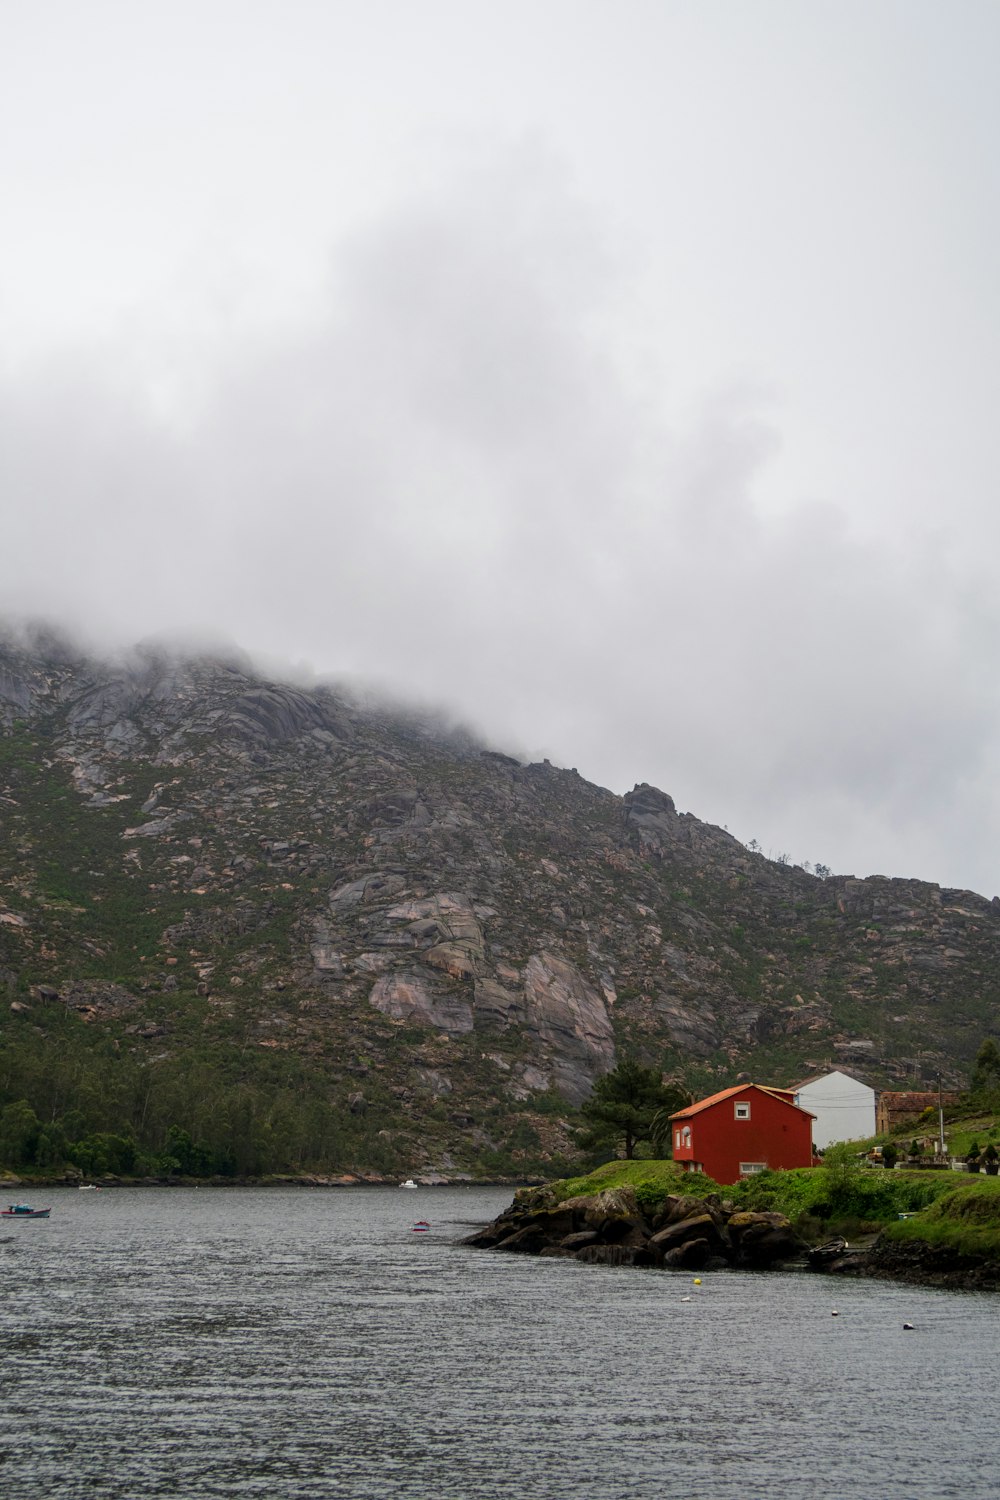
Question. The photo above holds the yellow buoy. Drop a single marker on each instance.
(697, 1281)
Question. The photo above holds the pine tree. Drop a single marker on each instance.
(986, 1071)
(624, 1105)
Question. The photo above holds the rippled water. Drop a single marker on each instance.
(294, 1342)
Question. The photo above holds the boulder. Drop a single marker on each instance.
(614, 1215)
(693, 1255)
(631, 1232)
(762, 1239)
(578, 1240)
(554, 1223)
(613, 1203)
(615, 1255)
(772, 1247)
(700, 1226)
(527, 1241)
(489, 1237)
(609, 1228)
(674, 1209)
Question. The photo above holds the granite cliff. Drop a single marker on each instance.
(200, 867)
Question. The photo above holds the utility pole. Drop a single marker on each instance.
(940, 1120)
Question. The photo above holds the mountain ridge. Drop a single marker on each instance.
(445, 946)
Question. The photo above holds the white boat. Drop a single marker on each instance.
(409, 1183)
(88, 1187)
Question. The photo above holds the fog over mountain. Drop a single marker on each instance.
(614, 385)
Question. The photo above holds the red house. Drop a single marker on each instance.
(743, 1130)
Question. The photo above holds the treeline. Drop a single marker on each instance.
(103, 1113)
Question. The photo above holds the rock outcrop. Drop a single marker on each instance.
(920, 1264)
(611, 1228)
(570, 1023)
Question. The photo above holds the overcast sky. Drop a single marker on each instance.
(622, 377)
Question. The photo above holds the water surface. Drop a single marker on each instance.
(305, 1343)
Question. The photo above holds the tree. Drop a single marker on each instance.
(51, 1146)
(19, 1127)
(189, 1158)
(986, 1070)
(103, 1154)
(624, 1105)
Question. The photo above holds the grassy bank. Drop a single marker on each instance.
(652, 1180)
(822, 1201)
(965, 1220)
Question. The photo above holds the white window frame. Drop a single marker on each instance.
(751, 1168)
(741, 1109)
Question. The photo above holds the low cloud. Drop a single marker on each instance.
(452, 480)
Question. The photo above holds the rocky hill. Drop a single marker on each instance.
(316, 934)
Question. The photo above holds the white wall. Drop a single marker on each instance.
(844, 1108)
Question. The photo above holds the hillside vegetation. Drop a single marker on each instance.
(247, 928)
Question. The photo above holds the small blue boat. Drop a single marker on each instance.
(23, 1211)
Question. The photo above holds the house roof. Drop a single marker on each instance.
(695, 1109)
(919, 1101)
(782, 1095)
(820, 1077)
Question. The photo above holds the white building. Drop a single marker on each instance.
(844, 1108)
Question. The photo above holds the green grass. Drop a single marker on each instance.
(652, 1180)
(982, 1128)
(819, 1200)
(842, 1198)
(967, 1122)
(965, 1220)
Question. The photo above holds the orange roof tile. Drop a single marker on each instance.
(783, 1094)
(694, 1109)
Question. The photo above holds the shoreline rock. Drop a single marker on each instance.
(918, 1264)
(612, 1228)
(710, 1233)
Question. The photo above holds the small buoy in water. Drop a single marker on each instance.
(697, 1281)
(908, 1325)
(835, 1314)
(685, 1299)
